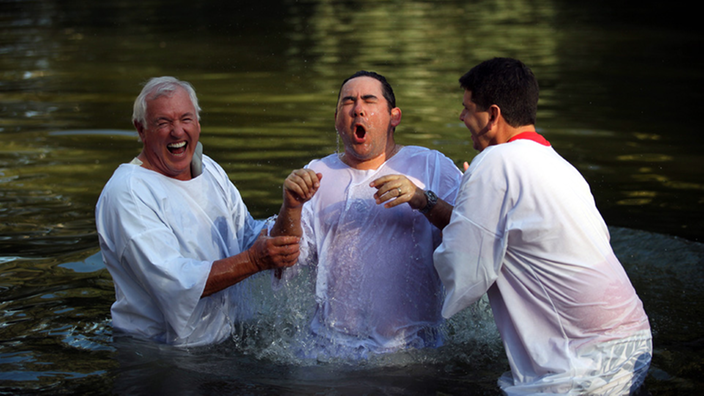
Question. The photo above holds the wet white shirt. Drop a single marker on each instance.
(526, 230)
(159, 237)
(376, 288)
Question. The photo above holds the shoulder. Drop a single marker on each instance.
(125, 178)
(209, 165)
(521, 161)
(214, 174)
(327, 163)
(424, 152)
(431, 159)
(129, 189)
(508, 154)
(414, 151)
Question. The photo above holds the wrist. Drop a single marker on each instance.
(431, 201)
(289, 211)
(254, 263)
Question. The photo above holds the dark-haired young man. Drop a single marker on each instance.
(525, 229)
(376, 288)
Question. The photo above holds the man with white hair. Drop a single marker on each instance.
(174, 231)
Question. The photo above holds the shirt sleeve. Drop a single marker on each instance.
(469, 258)
(251, 230)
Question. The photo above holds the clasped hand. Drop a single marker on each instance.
(274, 252)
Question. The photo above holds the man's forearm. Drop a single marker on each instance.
(229, 271)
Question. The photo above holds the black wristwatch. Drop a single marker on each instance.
(432, 200)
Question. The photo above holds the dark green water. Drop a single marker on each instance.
(621, 85)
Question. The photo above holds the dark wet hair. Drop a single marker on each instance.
(386, 89)
(507, 83)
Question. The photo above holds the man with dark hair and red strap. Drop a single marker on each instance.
(526, 231)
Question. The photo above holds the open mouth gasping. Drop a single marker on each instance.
(177, 148)
(360, 132)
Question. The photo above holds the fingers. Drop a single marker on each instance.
(277, 252)
(390, 186)
(276, 241)
(284, 259)
(286, 256)
(302, 183)
(283, 240)
(384, 180)
(393, 189)
(465, 166)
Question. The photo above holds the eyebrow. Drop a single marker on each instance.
(364, 97)
(167, 118)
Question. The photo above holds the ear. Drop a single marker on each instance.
(494, 115)
(140, 130)
(395, 116)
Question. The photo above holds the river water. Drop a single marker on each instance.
(621, 86)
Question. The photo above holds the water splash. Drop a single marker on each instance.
(273, 325)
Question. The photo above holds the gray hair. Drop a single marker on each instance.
(160, 86)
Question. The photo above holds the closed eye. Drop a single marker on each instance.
(347, 101)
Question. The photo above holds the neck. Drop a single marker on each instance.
(372, 163)
(145, 162)
(511, 132)
(147, 165)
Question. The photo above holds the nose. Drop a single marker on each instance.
(177, 129)
(359, 109)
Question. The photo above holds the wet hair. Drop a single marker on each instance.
(386, 89)
(507, 83)
(160, 86)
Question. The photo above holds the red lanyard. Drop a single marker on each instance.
(534, 136)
